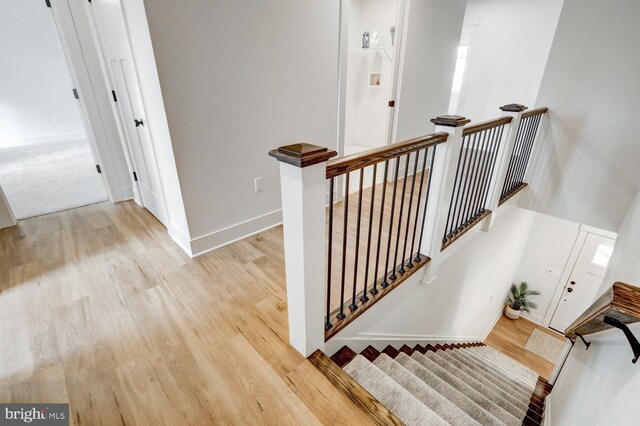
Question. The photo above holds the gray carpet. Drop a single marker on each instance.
(46, 178)
(456, 387)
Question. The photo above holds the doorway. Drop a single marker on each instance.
(585, 279)
(47, 161)
(373, 39)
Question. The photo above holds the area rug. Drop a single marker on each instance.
(545, 346)
(46, 178)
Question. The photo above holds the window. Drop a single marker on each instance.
(602, 256)
(458, 74)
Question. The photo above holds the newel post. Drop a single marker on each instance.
(444, 173)
(504, 155)
(303, 186)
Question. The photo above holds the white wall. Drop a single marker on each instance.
(36, 99)
(239, 79)
(601, 386)
(586, 167)
(465, 299)
(509, 45)
(548, 247)
(428, 60)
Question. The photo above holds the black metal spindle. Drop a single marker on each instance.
(496, 148)
(345, 230)
(513, 181)
(461, 213)
(415, 221)
(426, 203)
(527, 154)
(374, 290)
(482, 173)
(457, 190)
(364, 297)
(454, 194)
(505, 187)
(327, 324)
(385, 282)
(353, 306)
(475, 174)
(399, 232)
(406, 233)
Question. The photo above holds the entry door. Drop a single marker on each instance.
(113, 37)
(584, 282)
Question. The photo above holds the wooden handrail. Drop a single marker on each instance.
(621, 302)
(350, 163)
(485, 125)
(537, 111)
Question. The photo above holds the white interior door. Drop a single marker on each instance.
(113, 38)
(584, 281)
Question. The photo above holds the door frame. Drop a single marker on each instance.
(583, 233)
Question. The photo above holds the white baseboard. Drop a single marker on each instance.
(42, 139)
(493, 324)
(181, 238)
(222, 237)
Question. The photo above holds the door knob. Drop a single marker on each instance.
(138, 122)
(572, 283)
(569, 289)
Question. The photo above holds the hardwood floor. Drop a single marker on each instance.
(511, 336)
(99, 308)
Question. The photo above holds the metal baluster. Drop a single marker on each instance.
(374, 290)
(506, 188)
(455, 193)
(426, 203)
(385, 283)
(516, 162)
(496, 148)
(345, 230)
(364, 297)
(415, 221)
(487, 150)
(527, 154)
(406, 233)
(327, 324)
(353, 306)
(404, 187)
(470, 213)
(460, 220)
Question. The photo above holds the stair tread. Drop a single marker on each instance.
(398, 400)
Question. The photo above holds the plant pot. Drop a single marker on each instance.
(511, 313)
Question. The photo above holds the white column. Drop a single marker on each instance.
(502, 161)
(444, 173)
(303, 186)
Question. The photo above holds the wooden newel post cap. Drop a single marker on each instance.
(450, 120)
(513, 108)
(302, 154)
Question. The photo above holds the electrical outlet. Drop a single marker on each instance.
(257, 184)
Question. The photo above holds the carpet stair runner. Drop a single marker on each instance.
(458, 384)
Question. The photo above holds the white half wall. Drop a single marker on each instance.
(509, 42)
(462, 303)
(585, 168)
(36, 98)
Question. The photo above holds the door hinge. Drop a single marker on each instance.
(48, 3)
(75, 94)
(113, 93)
(392, 104)
(98, 168)
(135, 176)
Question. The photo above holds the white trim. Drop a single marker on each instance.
(7, 218)
(493, 324)
(598, 231)
(565, 354)
(43, 139)
(225, 236)
(180, 237)
(546, 414)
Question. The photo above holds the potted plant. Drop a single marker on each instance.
(519, 300)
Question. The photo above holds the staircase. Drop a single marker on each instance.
(458, 384)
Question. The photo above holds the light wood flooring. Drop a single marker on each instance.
(511, 336)
(99, 308)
